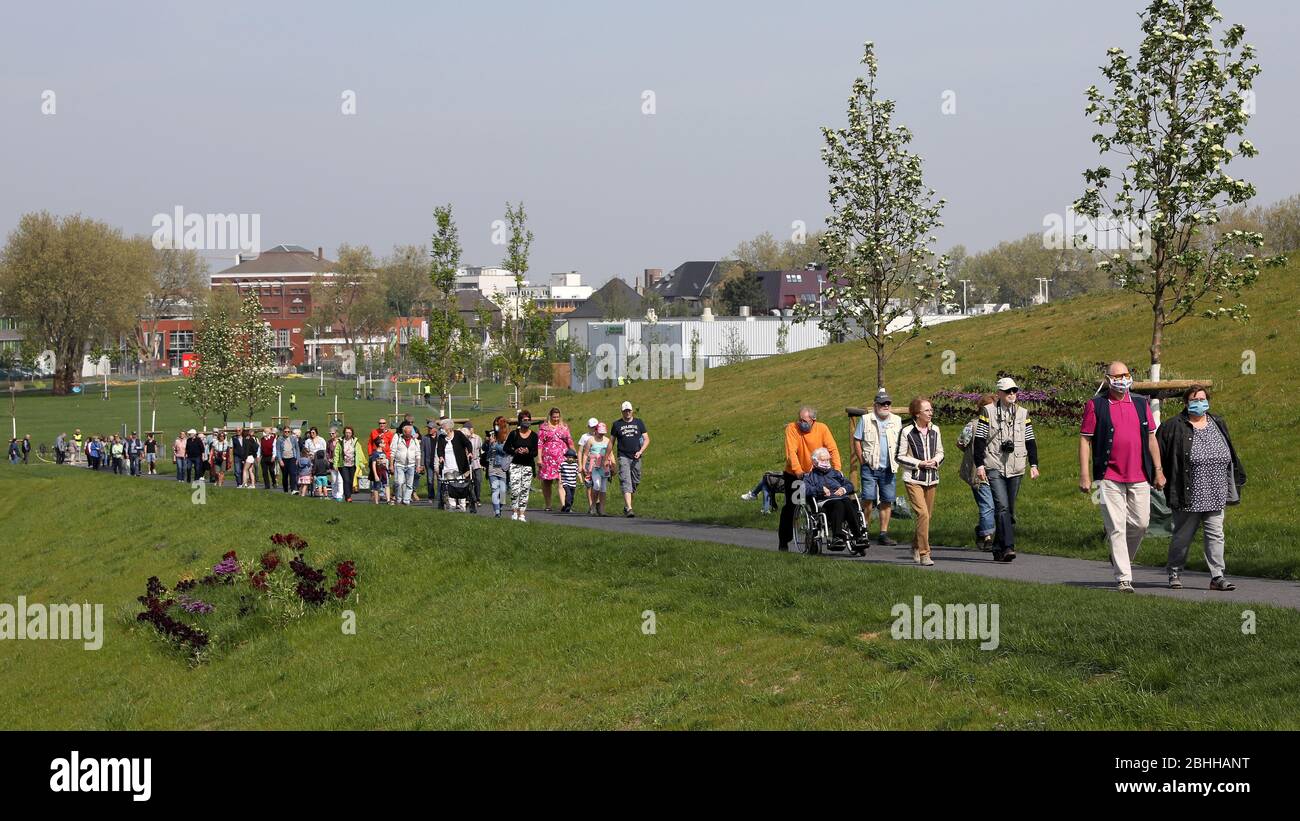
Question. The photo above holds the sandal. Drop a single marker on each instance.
(1220, 583)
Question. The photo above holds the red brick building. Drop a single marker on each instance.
(281, 278)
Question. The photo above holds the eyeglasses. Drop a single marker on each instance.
(1118, 375)
(885, 404)
(1012, 390)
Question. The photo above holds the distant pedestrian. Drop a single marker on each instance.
(151, 454)
(498, 463)
(633, 440)
(26, 447)
(134, 453)
(553, 439)
(522, 446)
(598, 468)
(179, 459)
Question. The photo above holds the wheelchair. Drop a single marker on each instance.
(812, 528)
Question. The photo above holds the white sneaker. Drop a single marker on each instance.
(748, 497)
(1126, 587)
(514, 515)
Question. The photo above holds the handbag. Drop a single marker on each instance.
(363, 483)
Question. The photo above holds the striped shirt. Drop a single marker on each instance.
(569, 473)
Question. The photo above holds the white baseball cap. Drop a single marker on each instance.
(593, 422)
(1006, 383)
(627, 406)
(191, 431)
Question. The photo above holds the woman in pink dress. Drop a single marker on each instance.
(553, 440)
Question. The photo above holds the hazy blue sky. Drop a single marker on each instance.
(235, 107)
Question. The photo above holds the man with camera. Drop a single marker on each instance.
(1004, 447)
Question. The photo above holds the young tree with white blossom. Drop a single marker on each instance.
(1175, 115)
(877, 242)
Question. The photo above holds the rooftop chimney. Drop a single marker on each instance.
(320, 252)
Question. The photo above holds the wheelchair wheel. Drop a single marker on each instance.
(805, 536)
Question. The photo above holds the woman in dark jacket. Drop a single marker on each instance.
(835, 493)
(1203, 475)
(521, 444)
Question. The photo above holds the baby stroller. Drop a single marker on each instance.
(458, 487)
(813, 528)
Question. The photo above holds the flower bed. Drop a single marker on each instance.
(1054, 396)
(238, 599)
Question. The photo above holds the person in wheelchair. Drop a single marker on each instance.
(837, 499)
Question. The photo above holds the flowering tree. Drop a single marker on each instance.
(1170, 114)
(443, 356)
(254, 375)
(211, 388)
(521, 343)
(878, 236)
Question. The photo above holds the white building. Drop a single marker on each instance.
(665, 348)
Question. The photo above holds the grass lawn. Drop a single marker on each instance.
(480, 623)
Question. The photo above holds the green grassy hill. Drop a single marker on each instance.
(479, 623)
(749, 403)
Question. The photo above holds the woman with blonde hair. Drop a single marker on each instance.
(920, 453)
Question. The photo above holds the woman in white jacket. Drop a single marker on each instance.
(920, 452)
(407, 463)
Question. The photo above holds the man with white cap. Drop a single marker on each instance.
(630, 433)
(1004, 447)
(584, 441)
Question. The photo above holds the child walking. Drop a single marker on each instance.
(568, 480)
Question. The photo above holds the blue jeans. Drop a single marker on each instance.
(1004, 490)
(499, 491)
(180, 469)
(878, 483)
(769, 498)
(405, 479)
(984, 503)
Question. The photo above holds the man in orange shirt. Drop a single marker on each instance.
(802, 437)
(385, 435)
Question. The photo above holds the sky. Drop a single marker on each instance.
(239, 108)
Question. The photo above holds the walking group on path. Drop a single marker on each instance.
(1122, 456)
(389, 462)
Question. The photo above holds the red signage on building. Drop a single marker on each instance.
(189, 361)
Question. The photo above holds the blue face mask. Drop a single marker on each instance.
(1198, 407)
(1121, 386)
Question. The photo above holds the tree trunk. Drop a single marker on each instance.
(1157, 331)
(64, 376)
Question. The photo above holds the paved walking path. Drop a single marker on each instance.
(1028, 567)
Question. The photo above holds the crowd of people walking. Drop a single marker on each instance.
(388, 462)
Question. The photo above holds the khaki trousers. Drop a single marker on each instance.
(921, 499)
(1125, 513)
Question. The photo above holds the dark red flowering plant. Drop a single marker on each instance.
(238, 597)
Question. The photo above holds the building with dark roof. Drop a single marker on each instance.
(691, 282)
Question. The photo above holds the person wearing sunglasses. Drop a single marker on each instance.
(1118, 447)
(875, 447)
(1004, 448)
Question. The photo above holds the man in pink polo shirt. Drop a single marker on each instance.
(1117, 445)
